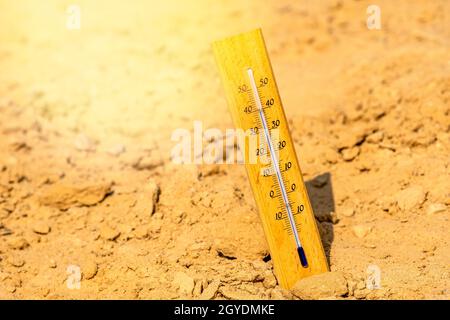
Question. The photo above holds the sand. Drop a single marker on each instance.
(92, 207)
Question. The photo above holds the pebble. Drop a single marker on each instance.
(388, 146)
(84, 143)
(347, 212)
(361, 285)
(320, 286)
(429, 249)
(375, 137)
(109, 233)
(350, 154)
(148, 163)
(10, 288)
(436, 208)
(364, 165)
(351, 285)
(286, 294)
(198, 288)
(208, 171)
(210, 291)
(225, 249)
(269, 280)
(41, 227)
(4, 231)
(151, 195)
(361, 230)
(16, 262)
(236, 294)
(331, 156)
(360, 293)
(245, 275)
(141, 232)
(117, 150)
(64, 196)
(410, 198)
(320, 181)
(350, 139)
(124, 189)
(89, 269)
(52, 264)
(18, 243)
(184, 283)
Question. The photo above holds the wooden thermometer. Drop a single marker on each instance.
(277, 182)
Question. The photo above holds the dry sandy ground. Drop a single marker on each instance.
(86, 179)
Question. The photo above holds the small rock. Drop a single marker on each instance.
(208, 171)
(436, 208)
(117, 150)
(351, 285)
(361, 285)
(210, 291)
(8, 208)
(109, 233)
(334, 217)
(350, 154)
(378, 294)
(41, 227)
(84, 143)
(184, 283)
(198, 288)
(141, 232)
(64, 196)
(387, 203)
(236, 294)
(375, 137)
(364, 165)
(16, 262)
(8, 287)
(39, 292)
(245, 275)
(4, 231)
(269, 280)
(360, 293)
(347, 212)
(429, 249)
(320, 181)
(150, 196)
(361, 230)
(325, 285)
(410, 198)
(89, 269)
(52, 264)
(280, 294)
(124, 189)
(225, 249)
(331, 156)
(148, 162)
(349, 139)
(200, 246)
(179, 216)
(388, 146)
(18, 243)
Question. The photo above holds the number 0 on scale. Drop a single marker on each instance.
(278, 187)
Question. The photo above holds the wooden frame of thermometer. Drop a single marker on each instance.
(277, 183)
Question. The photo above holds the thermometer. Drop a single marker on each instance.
(275, 177)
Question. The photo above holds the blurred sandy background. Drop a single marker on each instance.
(85, 123)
